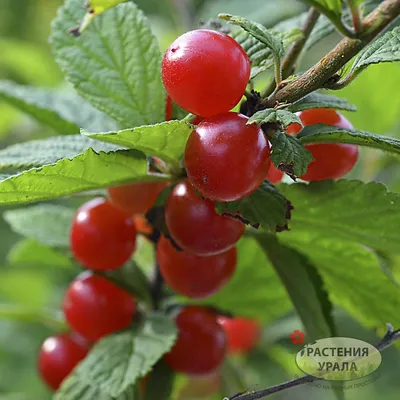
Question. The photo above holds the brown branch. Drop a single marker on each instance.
(318, 75)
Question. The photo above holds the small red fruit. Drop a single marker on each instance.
(331, 160)
(194, 224)
(102, 236)
(194, 276)
(136, 198)
(201, 344)
(205, 72)
(94, 307)
(226, 159)
(168, 108)
(275, 175)
(58, 356)
(242, 334)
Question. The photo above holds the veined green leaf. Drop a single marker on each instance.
(319, 100)
(114, 64)
(166, 140)
(330, 134)
(99, 6)
(115, 363)
(87, 171)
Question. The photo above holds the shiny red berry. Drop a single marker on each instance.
(226, 159)
(58, 356)
(201, 344)
(242, 334)
(94, 307)
(136, 198)
(102, 236)
(275, 175)
(205, 72)
(331, 160)
(194, 276)
(194, 224)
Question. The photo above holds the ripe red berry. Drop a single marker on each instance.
(331, 160)
(136, 198)
(275, 175)
(58, 356)
(201, 344)
(194, 224)
(102, 237)
(168, 108)
(226, 159)
(194, 276)
(205, 72)
(94, 307)
(242, 334)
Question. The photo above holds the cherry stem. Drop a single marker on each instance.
(356, 15)
(390, 337)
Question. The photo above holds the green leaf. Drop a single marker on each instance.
(88, 171)
(352, 277)
(37, 153)
(331, 8)
(255, 289)
(46, 223)
(115, 64)
(30, 252)
(52, 319)
(118, 361)
(284, 117)
(99, 6)
(65, 112)
(330, 134)
(319, 100)
(304, 286)
(260, 54)
(160, 383)
(289, 154)
(345, 210)
(266, 206)
(166, 140)
(385, 49)
(258, 31)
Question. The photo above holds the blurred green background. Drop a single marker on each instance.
(25, 58)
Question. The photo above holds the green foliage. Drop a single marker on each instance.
(87, 171)
(37, 153)
(166, 140)
(65, 112)
(259, 53)
(385, 49)
(266, 206)
(99, 6)
(114, 64)
(304, 286)
(254, 287)
(331, 8)
(160, 383)
(258, 31)
(329, 134)
(320, 100)
(32, 253)
(46, 223)
(289, 153)
(284, 117)
(129, 355)
(345, 210)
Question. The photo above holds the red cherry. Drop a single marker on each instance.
(94, 307)
(102, 237)
(194, 224)
(194, 276)
(226, 159)
(205, 72)
(275, 175)
(136, 198)
(201, 344)
(242, 334)
(58, 356)
(331, 160)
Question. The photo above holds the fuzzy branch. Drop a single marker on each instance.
(390, 337)
(318, 75)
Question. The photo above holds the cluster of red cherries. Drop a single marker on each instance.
(205, 73)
